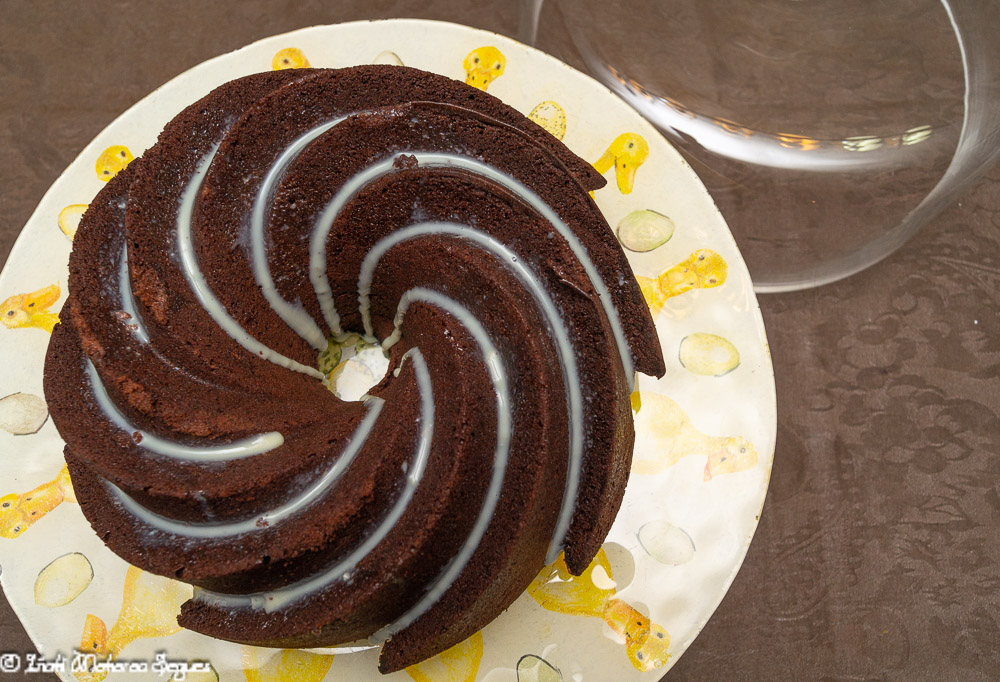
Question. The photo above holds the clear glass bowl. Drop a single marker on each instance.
(827, 131)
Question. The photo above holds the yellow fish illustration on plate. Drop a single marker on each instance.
(460, 663)
(593, 594)
(19, 511)
(112, 161)
(673, 437)
(31, 310)
(150, 604)
(626, 153)
(483, 66)
(289, 58)
(703, 269)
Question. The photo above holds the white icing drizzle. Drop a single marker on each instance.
(321, 232)
(567, 359)
(196, 278)
(294, 315)
(128, 301)
(498, 376)
(276, 599)
(246, 447)
(270, 518)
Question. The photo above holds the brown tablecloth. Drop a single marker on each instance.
(878, 553)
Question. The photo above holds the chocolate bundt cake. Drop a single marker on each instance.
(275, 217)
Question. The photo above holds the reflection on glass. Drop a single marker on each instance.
(827, 131)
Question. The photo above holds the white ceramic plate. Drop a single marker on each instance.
(680, 537)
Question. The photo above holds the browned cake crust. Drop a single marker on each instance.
(140, 360)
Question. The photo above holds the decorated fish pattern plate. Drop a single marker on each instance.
(704, 433)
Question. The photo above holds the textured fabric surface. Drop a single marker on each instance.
(878, 553)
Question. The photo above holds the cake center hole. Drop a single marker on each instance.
(352, 367)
